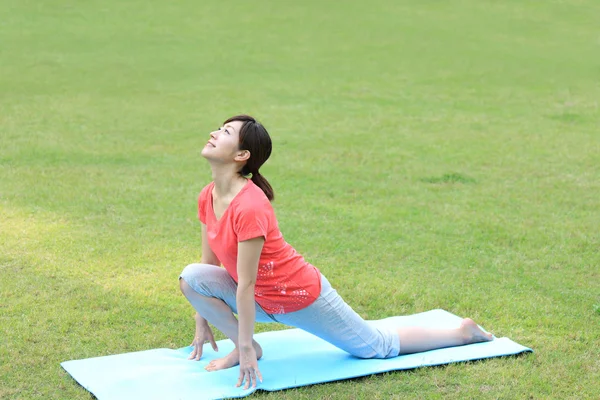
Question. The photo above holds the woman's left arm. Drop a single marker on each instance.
(247, 269)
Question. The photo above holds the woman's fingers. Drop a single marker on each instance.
(193, 353)
(250, 376)
(198, 351)
(198, 344)
(244, 377)
(249, 372)
(211, 339)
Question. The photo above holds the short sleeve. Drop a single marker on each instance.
(203, 202)
(251, 223)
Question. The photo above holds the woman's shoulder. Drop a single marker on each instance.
(253, 199)
(206, 189)
(255, 195)
(205, 196)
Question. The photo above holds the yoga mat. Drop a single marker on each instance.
(291, 358)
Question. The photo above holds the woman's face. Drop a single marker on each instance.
(223, 144)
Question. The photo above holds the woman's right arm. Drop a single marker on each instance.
(208, 256)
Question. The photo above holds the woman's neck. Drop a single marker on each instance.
(228, 181)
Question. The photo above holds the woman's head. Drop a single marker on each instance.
(244, 141)
(254, 138)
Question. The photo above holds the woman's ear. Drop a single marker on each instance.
(242, 155)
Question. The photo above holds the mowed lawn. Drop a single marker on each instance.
(426, 155)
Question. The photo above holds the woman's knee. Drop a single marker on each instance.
(184, 287)
(200, 278)
(192, 275)
(381, 344)
(197, 272)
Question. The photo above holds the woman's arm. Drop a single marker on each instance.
(208, 256)
(247, 268)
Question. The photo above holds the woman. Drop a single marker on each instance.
(264, 278)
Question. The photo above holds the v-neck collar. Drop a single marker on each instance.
(212, 205)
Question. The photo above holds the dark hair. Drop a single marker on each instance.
(255, 138)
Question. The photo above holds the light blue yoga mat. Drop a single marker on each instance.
(291, 358)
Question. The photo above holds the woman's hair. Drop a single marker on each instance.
(255, 138)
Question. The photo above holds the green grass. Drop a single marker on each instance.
(426, 155)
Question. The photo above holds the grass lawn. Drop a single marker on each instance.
(426, 155)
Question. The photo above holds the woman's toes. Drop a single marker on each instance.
(472, 333)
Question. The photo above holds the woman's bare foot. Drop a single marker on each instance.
(232, 359)
(472, 333)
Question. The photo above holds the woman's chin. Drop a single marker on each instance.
(204, 153)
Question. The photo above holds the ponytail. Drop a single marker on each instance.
(255, 138)
(264, 185)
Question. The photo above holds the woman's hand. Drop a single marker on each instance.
(203, 334)
(248, 368)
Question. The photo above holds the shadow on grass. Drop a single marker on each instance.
(451, 178)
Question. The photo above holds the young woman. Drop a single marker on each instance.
(264, 278)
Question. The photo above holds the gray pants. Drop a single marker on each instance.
(328, 317)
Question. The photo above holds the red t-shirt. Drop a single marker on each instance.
(285, 282)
